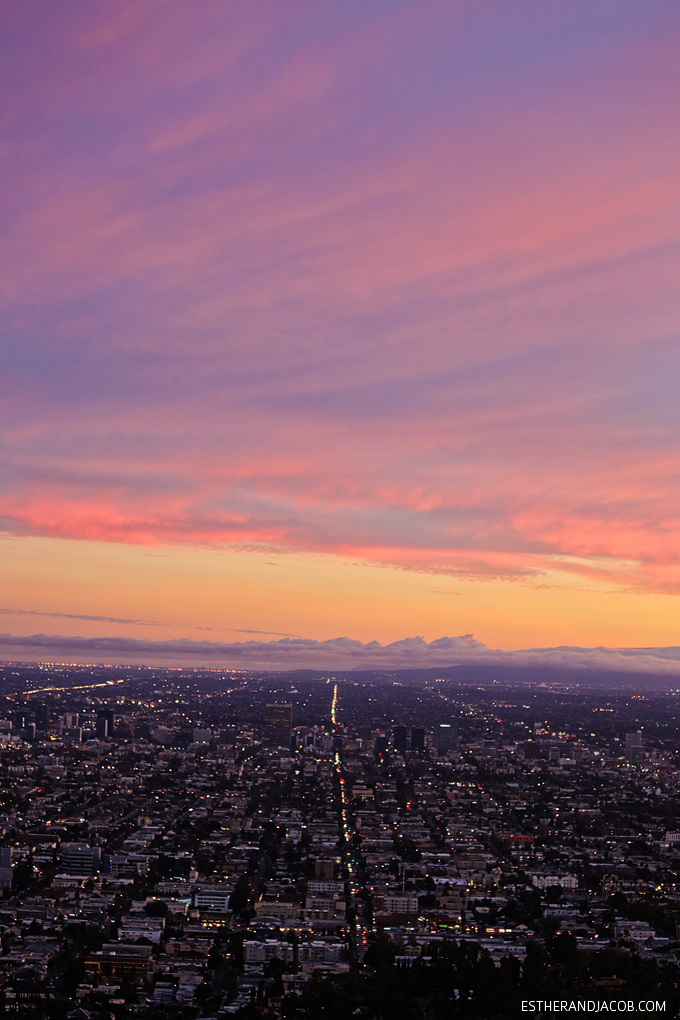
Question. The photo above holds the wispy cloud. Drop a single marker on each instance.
(79, 616)
(340, 653)
(391, 286)
(273, 633)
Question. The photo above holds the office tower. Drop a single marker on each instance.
(417, 738)
(278, 725)
(380, 744)
(399, 739)
(20, 719)
(444, 737)
(634, 749)
(104, 723)
(79, 859)
(41, 713)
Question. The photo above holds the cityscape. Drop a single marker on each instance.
(207, 843)
(339, 509)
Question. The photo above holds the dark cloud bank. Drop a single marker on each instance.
(340, 653)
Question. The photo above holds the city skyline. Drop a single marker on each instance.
(340, 336)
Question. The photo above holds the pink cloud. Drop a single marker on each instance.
(391, 287)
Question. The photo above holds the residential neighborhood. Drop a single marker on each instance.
(175, 846)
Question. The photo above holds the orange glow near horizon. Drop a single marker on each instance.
(234, 596)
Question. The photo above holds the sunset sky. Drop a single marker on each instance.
(346, 319)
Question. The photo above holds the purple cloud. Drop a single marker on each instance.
(338, 653)
(389, 284)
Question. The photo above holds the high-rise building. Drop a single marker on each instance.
(20, 719)
(278, 725)
(381, 743)
(41, 713)
(399, 739)
(444, 737)
(104, 723)
(634, 750)
(417, 738)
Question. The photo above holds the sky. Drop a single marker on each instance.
(348, 320)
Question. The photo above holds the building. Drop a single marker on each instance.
(417, 738)
(280, 909)
(322, 908)
(104, 723)
(270, 949)
(212, 899)
(135, 927)
(325, 887)
(278, 725)
(5, 867)
(324, 869)
(444, 738)
(80, 859)
(128, 864)
(20, 720)
(398, 904)
(41, 714)
(381, 744)
(132, 962)
(399, 739)
(634, 750)
(637, 930)
(202, 736)
(569, 882)
(321, 952)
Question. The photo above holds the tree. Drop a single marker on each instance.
(156, 908)
(240, 897)
(22, 876)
